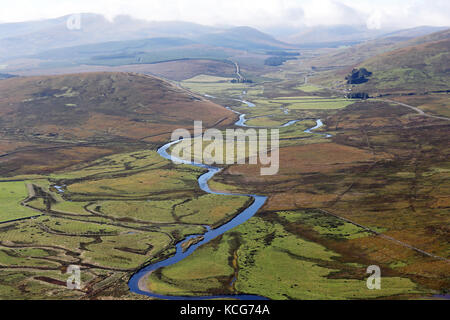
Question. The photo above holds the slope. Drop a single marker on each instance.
(48, 122)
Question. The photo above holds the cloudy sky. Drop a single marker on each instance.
(258, 13)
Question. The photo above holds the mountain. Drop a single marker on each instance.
(32, 38)
(242, 38)
(59, 47)
(145, 51)
(16, 29)
(22, 39)
(392, 41)
(331, 36)
(411, 33)
(420, 67)
(115, 47)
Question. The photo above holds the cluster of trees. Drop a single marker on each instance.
(358, 76)
(280, 57)
(241, 81)
(6, 76)
(358, 95)
(283, 53)
(275, 61)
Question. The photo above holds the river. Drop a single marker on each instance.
(137, 283)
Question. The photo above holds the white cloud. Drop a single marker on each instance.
(331, 12)
(374, 21)
(258, 13)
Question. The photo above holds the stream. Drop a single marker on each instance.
(137, 283)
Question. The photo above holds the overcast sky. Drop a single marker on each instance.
(256, 13)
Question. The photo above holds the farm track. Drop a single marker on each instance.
(419, 111)
(401, 243)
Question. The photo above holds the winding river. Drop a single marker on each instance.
(138, 281)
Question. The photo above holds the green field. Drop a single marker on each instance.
(115, 214)
(272, 262)
(309, 88)
(11, 196)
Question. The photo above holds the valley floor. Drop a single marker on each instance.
(371, 189)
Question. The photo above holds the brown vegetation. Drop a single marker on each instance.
(87, 115)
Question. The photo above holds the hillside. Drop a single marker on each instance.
(25, 38)
(173, 70)
(97, 112)
(143, 51)
(419, 68)
(242, 38)
(418, 65)
(124, 40)
(338, 35)
(396, 40)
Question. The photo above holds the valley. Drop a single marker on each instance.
(87, 175)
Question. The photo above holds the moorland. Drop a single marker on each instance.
(82, 183)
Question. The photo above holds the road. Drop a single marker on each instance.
(238, 72)
(419, 111)
(401, 243)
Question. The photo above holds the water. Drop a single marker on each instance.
(248, 103)
(318, 125)
(242, 120)
(290, 123)
(211, 234)
(60, 189)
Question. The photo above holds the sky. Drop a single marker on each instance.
(376, 14)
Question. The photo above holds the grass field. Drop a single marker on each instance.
(269, 261)
(314, 104)
(208, 209)
(309, 88)
(204, 84)
(11, 196)
(129, 209)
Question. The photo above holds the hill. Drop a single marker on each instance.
(143, 51)
(125, 40)
(174, 70)
(49, 44)
(416, 65)
(26, 38)
(332, 36)
(416, 32)
(392, 41)
(242, 38)
(88, 115)
(418, 68)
